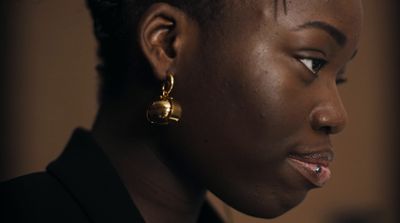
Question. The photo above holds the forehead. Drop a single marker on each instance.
(343, 14)
(346, 15)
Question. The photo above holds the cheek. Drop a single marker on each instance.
(231, 103)
(240, 115)
(242, 112)
(272, 98)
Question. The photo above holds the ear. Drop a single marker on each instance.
(161, 31)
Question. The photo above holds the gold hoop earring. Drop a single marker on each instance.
(165, 110)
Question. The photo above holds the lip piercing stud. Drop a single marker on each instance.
(318, 169)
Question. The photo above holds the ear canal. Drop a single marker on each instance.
(169, 49)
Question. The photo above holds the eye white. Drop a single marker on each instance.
(309, 64)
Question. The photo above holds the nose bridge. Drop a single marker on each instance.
(329, 115)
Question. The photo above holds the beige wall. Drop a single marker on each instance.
(53, 80)
(54, 90)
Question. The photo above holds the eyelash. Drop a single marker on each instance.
(321, 63)
(314, 65)
(341, 81)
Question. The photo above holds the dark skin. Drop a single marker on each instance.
(259, 83)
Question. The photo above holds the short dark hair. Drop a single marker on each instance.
(115, 24)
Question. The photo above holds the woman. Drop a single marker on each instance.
(254, 88)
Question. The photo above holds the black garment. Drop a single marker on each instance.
(80, 186)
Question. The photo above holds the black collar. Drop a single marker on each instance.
(87, 174)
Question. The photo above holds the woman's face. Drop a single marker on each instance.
(260, 100)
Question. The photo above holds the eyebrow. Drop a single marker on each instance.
(335, 33)
(354, 54)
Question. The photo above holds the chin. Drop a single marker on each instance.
(268, 211)
(269, 208)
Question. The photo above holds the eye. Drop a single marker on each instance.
(313, 64)
(341, 81)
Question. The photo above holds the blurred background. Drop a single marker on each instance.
(48, 87)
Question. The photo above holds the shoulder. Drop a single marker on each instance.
(37, 196)
(23, 184)
(40, 187)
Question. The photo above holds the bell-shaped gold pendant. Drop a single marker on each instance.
(165, 110)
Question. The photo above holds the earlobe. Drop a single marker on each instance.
(158, 31)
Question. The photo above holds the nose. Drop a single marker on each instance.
(329, 117)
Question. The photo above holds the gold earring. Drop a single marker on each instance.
(166, 109)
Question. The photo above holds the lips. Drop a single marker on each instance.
(314, 166)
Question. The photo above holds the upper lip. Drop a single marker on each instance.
(321, 155)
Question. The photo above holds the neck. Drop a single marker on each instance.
(159, 191)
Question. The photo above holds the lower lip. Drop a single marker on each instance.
(308, 171)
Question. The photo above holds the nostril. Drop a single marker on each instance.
(326, 129)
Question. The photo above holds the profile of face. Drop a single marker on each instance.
(260, 100)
